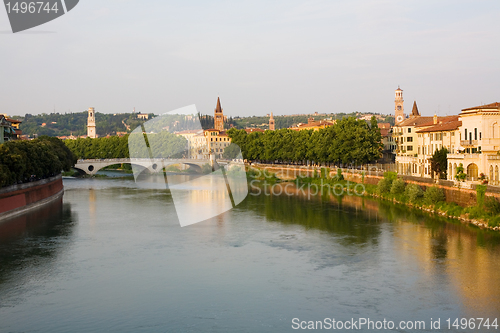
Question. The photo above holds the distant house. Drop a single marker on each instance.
(9, 129)
(144, 116)
(253, 130)
(314, 125)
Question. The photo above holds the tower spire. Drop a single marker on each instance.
(218, 116)
(271, 123)
(414, 111)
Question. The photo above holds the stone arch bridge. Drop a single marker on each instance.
(90, 167)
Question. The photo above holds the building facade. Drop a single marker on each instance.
(479, 144)
(207, 142)
(9, 129)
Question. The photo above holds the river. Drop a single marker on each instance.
(112, 258)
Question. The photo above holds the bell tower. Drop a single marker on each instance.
(218, 117)
(271, 123)
(91, 124)
(399, 111)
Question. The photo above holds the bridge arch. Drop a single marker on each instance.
(90, 167)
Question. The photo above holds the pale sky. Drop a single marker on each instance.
(284, 57)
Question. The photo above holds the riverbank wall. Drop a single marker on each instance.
(19, 199)
(464, 197)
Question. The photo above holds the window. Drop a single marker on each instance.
(466, 134)
(475, 133)
(410, 148)
(452, 133)
(409, 130)
(419, 150)
(432, 135)
(409, 139)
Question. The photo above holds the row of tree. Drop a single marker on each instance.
(162, 145)
(349, 141)
(25, 161)
(110, 147)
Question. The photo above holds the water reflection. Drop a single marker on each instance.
(27, 241)
(466, 257)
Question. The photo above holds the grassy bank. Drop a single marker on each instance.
(485, 213)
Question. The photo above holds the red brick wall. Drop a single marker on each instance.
(20, 198)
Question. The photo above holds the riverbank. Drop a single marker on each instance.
(465, 205)
(19, 199)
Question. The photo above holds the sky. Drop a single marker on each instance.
(285, 57)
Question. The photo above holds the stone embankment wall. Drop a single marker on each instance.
(461, 196)
(18, 199)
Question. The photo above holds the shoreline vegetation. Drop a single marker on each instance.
(485, 213)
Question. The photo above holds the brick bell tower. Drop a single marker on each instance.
(218, 117)
(271, 123)
(399, 111)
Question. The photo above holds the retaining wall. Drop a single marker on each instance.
(18, 199)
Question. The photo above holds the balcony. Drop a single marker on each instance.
(468, 143)
(493, 157)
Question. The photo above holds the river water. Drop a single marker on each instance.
(112, 258)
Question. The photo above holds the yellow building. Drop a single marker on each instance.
(210, 141)
(443, 133)
(417, 138)
(479, 138)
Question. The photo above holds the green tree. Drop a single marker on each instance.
(439, 162)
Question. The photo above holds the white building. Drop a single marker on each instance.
(479, 138)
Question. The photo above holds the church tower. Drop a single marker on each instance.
(271, 123)
(399, 113)
(218, 117)
(91, 124)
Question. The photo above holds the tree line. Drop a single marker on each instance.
(26, 161)
(161, 145)
(349, 141)
(57, 124)
(110, 147)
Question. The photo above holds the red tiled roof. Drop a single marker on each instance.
(385, 131)
(448, 126)
(440, 120)
(416, 121)
(384, 125)
(317, 123)
(495, 105)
